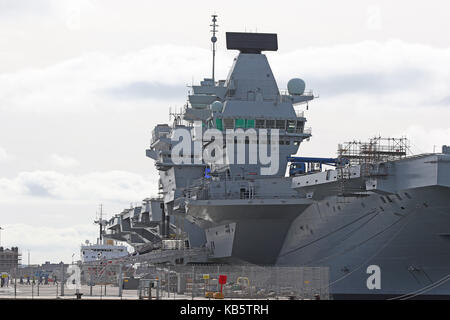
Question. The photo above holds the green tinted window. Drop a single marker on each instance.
(219, 124)
(291, 126)
(250, 123)
(239, 123)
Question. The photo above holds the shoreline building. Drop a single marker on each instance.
(10, 259)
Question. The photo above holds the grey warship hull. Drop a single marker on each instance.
(251, 231)
(408, 239)
(406, 232)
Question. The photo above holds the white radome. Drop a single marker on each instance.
(296, 86)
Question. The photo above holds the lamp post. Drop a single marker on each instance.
(1, 235)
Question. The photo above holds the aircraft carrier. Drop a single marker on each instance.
(230, 183)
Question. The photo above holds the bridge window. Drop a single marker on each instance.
(270, 124)
(228, 123)
(291, 125)
(281, 124)
(239, 123)
(250, 123)
(260, 123)
(219, 124)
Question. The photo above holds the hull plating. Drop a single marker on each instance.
(246, 230)
(407, 235)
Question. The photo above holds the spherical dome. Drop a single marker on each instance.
(217, 106)
(296, 86)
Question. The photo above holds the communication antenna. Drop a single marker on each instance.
(214, 40)
(100, 221)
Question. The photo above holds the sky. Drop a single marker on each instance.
(82, 84)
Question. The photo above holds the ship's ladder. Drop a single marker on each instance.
(343, 176)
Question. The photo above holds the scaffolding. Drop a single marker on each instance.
(368, 155)
(377, 150)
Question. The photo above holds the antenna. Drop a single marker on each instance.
(214, 40)
(100, 221)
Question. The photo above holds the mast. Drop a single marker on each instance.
(100, 221)
(214, 40)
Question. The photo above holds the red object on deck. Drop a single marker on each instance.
(222, 281)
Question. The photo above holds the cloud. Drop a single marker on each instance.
(147, 90)
(445, 101)
(371, 82)
(63, 161)
(427, 140)
(4, 156)
(48, 243)
(62, 9)
(111, 186)
(14, 8)
(161, 72)
(379, 69)
(80, 84)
